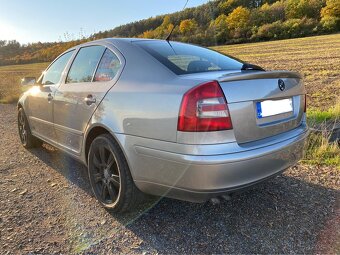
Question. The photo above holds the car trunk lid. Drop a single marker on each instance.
(263, 104)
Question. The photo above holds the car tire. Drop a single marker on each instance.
(110, 176)
(26, 137)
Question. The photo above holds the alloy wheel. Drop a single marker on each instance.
(105, 173)
(22, 127)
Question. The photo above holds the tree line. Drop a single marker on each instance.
(214, 23)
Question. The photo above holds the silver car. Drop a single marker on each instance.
(165, 118)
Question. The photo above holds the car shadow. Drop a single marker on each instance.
(282, 215)
(70, 168)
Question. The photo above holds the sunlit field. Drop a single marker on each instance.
(316, 58)
(10, 76)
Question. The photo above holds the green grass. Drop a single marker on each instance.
(9, 99)
(317, 116)
(320, 151)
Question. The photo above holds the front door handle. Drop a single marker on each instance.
(49, 97)
(90, 100)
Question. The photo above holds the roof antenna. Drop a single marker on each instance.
(169, 35)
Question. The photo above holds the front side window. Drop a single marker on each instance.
(184, 58)
(108, 67)
(85, 64)
(53, 73)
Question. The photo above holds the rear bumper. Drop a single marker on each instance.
(197, 178)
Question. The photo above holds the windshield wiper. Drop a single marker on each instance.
(247, 66)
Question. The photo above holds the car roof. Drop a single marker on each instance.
(111, 40)
(114, 40)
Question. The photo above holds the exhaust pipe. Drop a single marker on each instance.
(217, 200)
(226, 197)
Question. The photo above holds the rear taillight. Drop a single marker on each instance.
(305, 108)
(204, 108)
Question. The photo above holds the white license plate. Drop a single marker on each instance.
(274, 107)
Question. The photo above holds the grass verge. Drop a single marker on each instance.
(317, 116)
(320, 149)
(9, 99)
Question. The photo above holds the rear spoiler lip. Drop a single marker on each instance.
(255, 75)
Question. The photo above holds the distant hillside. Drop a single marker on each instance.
(214, 23)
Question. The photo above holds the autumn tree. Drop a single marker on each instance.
(238, 22)
(297, 9)
(188, 26)
(268, 13)
(148, 34)
(161, 31)
(228, 6)
(219, 27)
(3, 43)
(330, 15)
(164, 29)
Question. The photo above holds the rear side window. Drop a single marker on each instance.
(53, 73)
(184, 58)
(85, 64)
(108, 67)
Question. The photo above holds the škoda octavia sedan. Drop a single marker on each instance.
(165, 118)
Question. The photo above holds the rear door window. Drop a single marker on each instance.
(85, 64)
(108, 67)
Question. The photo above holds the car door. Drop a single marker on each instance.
(40, 104)
(94, 70)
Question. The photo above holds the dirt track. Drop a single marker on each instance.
(46, 206)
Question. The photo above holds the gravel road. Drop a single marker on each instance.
(46, 206)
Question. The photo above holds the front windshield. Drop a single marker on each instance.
(184, 58)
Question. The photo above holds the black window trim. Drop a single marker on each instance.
(100, 59)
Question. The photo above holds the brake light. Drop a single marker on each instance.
(203, 109)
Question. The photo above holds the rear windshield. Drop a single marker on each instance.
(184, 58)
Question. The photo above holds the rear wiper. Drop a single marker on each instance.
(247, 66)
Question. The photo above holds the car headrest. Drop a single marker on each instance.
(198, 66)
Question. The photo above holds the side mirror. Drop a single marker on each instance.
(28, 81)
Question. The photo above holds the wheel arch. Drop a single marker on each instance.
(21, 104)
(96, 130)
(90, 136)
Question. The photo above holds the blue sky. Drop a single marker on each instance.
(48, 20)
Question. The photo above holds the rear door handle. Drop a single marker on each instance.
(90, 100)
(49, 97)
